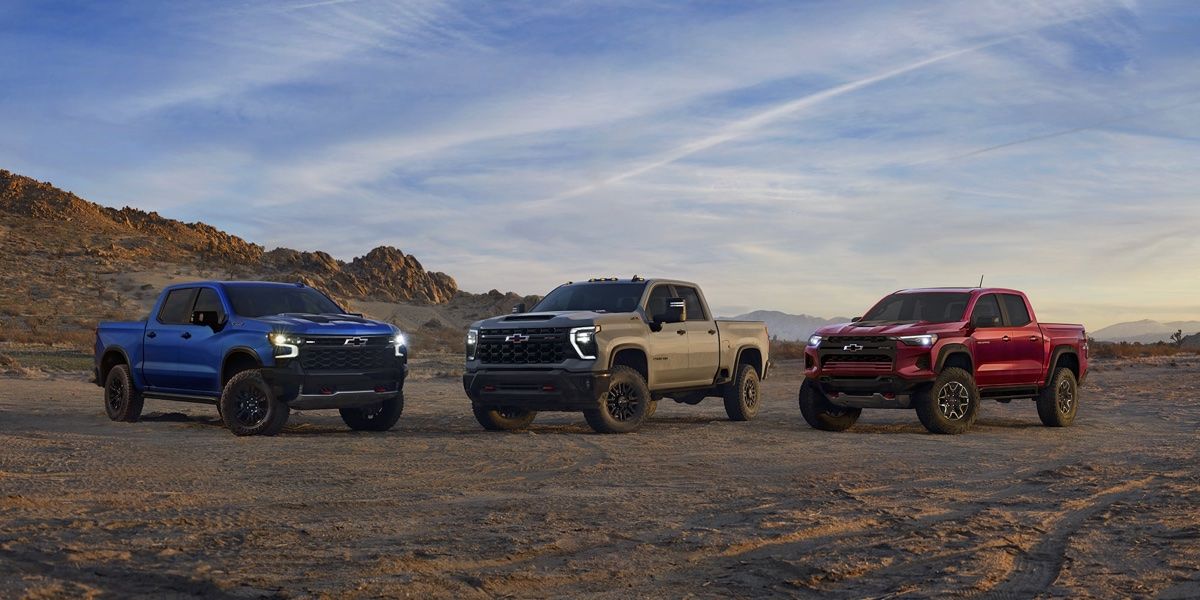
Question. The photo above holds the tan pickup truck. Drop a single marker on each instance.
(612, 348)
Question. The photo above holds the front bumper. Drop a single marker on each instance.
(908, 369)
(547, 390)
(335, 389)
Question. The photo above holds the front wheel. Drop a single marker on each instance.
(122, 400)
(951, 404)
(495, 418)
(624, 405)
(1058, 401)
(742, 394)
(379, 417)
(822, 414)
(249, 407)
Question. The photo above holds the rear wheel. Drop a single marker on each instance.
(742, 394)
(122, 401)
(249, 407)
(822, 414)
(951, 404)
(623, 407)
(496, 418)
(1058, 402)
(379, 417)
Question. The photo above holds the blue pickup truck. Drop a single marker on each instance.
(256, 350)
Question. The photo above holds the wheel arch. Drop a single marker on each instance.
(1065, 354)
(236, 360)
(751, 355)
(113, 356)
(633, 356)
(955, 355)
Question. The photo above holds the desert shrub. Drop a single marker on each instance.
(786, 349)
(1134, 350)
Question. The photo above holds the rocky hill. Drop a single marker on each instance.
(68, 263)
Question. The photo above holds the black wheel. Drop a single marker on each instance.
(742, 397)
(249, 407)
(1058, 402)
(495, 418)
(624, 405)
(951, 404)
(122, 400)
(822, 414)
(377, 417)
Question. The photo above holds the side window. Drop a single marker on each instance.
(691, 298)
(208, 300)
(177, 308)
(986, 308)
(1018, 314)
(656, 304)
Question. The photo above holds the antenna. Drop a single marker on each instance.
(980, 281)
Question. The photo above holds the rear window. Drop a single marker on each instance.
(1018, 314)
(177, 308)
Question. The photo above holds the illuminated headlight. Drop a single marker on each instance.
(401, 343)
(584, 341)
(814, 340)
(285, 346)
(472, 343)
(918, 340)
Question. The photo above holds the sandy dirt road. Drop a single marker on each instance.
(693, 505)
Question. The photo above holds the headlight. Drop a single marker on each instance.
(584, 341)
(284, 345)
(401, 343)
(472, 343)
(814, 340)
(926, 340)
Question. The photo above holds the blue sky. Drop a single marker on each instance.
(801, 156)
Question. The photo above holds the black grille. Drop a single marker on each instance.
(334, 354)
(874, 352)
(530, 346)
(856, 358)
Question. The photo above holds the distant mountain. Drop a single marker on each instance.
(1145, 331)
(790, 327)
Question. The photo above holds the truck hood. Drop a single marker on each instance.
(889, 329)
(580, 318)
(308, 324)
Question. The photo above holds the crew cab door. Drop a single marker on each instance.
(704, 349)
(200, 351)
(668, 347)
(164, 337)
(1028, 353)
(993, 343)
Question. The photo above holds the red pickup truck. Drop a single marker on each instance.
(941, 351)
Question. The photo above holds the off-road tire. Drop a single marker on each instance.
(950, 405)
(822, 414)
(1058, 402)
(122, 400)
(249, 407)
(623, 407)
(496, 418)
(743, 395)
(378, 417)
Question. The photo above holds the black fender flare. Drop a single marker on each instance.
(237, 350)
(113, 350)
(737, 360)
(951, 349)
(613, 352)
(1058, 352)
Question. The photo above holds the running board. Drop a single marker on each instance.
(181, 397)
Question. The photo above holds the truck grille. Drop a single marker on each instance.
(532, 346)
(333, 354)
(860, 353)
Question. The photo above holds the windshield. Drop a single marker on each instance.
(266, 300)
(930, 307)
(596, 297)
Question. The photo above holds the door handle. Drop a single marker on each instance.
(1005, 338)
(712, 332)
(151, 334)
(186, 335)
(681, 331)
(1033, 338)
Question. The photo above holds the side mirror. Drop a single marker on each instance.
(982, 321)
(519, 308)
(206, 318)
(855, 319)
(676, 311)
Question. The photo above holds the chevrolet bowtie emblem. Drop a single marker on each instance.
(852, 348)
(517, 338)
(355, 341)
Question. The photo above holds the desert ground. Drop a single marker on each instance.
(691, 506)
